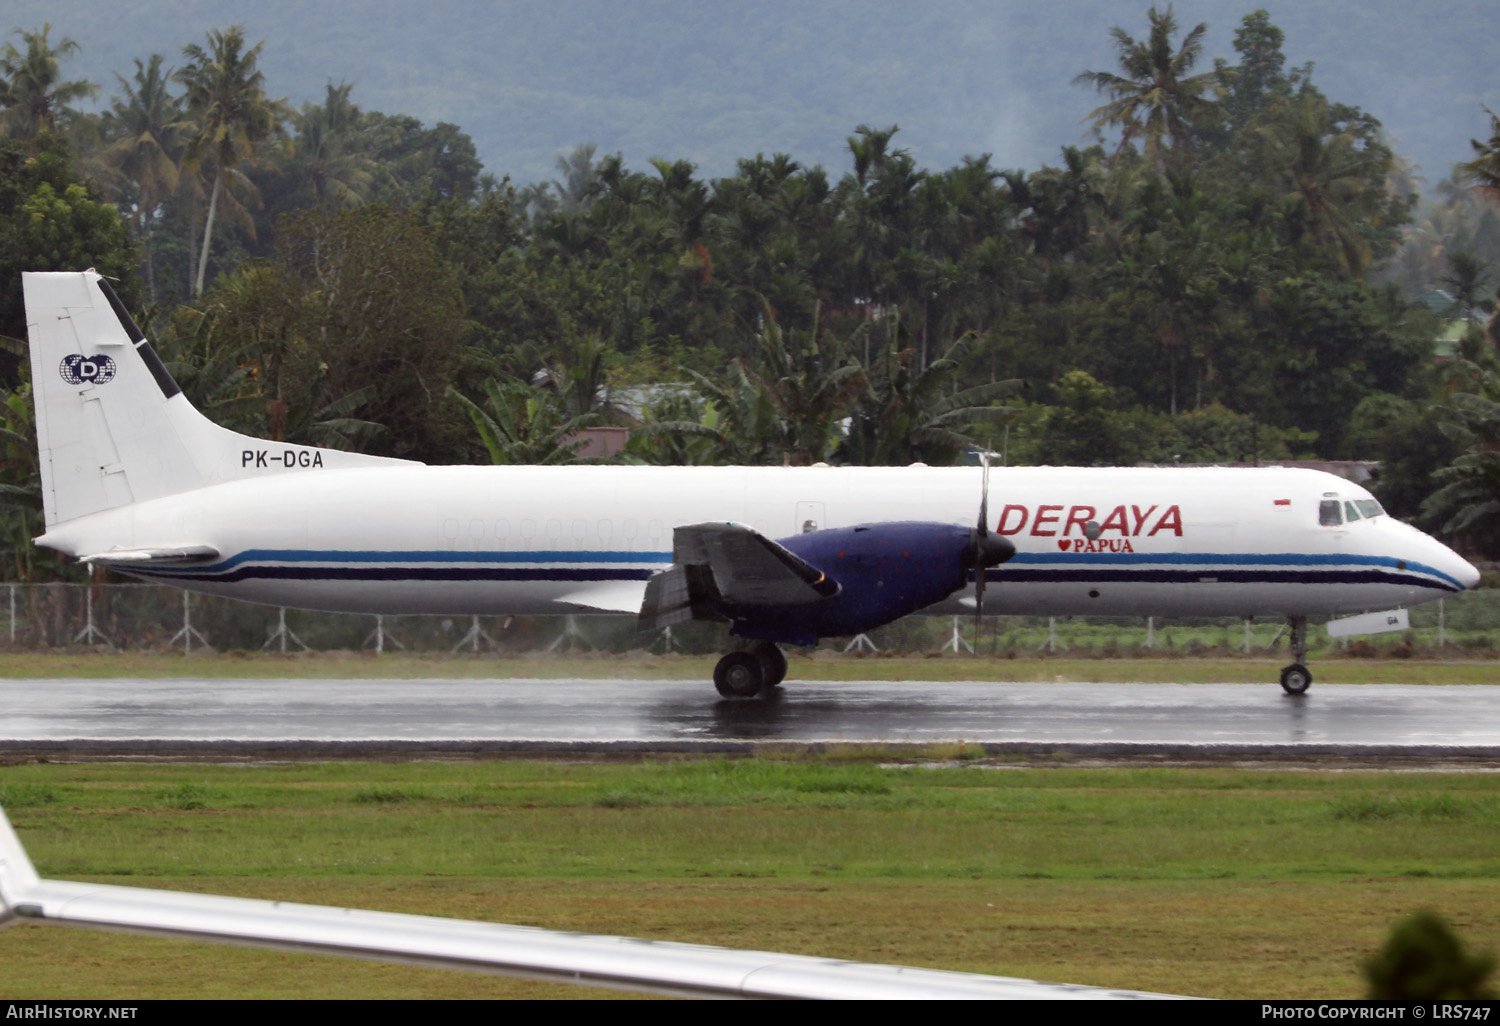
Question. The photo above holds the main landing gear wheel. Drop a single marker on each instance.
(772, 662)
(739, 675)
(1296, 679)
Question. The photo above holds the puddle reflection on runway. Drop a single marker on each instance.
(601, 711)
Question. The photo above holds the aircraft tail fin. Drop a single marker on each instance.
(113, 427)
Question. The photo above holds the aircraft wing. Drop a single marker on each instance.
(717, 565)
(626, 963)
(162, 556)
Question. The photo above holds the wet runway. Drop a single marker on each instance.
(337, 715)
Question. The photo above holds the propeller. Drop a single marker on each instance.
(986, 549)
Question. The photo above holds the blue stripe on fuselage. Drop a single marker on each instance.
(548, 557)
(1077, 560)
(575, 574)
(1149, 575)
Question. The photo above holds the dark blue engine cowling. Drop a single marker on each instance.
(884, 571)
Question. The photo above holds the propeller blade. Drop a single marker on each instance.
(978, 606)
(985, 549)
(984, 496)
(983, 535)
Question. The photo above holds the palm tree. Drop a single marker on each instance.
(524, 425)
(1484, 169)
(1466, 282)
(572, 368)
(1467, 505)
(226, 95)
(20, 483)
(30, 90)
(329, 155)
(1056, 203)
(774, 228)
(218, 375)
(792, 397)
(579, 185)
(678, 429)
(880, 222)
(682, 207)
(1155, 97)
(747, 424)
(151, 134)
(904, 416)
(1332, 171)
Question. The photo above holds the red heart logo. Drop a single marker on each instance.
(1063, 543)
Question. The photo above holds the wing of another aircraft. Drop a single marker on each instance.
(626, 963)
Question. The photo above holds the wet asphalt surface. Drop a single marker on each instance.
(373, 716)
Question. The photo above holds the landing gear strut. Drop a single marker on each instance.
(743, 674)
(1297, 678)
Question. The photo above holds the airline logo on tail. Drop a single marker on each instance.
(78, 369)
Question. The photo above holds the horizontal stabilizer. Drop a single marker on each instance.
(165, 556)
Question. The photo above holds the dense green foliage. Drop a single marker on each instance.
(1216, 279)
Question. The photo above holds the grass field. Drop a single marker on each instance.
(1270, 883)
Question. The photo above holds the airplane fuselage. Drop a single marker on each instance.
(538, 540)
(134, 478)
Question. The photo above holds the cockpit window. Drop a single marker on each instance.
(1369, 507)
(1329, 513)
(1350, 513)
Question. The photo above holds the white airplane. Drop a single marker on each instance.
(135, 479)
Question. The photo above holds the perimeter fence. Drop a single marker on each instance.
(147, 617)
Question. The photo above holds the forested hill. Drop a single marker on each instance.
(712, 82)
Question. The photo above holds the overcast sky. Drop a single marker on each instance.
(714, 81)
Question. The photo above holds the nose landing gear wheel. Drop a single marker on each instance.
(739, 675)
(1296, 679)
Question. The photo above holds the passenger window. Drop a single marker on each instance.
(1329, 514)
(1350, 513)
